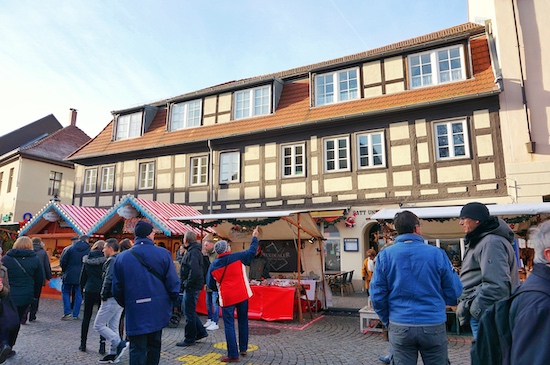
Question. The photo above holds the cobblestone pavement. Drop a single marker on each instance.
(327, 339)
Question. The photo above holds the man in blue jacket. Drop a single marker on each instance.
(71, 265)
(145, 282)
(411, 285)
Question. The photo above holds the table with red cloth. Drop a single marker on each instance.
(270, 303)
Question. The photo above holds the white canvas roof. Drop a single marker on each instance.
(284, 228)
(500, 210)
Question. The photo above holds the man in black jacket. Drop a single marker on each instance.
(44, 259)
(192, 281)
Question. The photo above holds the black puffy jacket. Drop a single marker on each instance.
(25, 280)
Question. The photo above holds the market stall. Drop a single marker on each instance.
(120, 220)
(286, 232)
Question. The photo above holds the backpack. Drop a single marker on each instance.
(494, 336)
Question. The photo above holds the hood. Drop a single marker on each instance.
(37, 247)
(494, 226)
(17, 252)
(81, 246)
(94, 258)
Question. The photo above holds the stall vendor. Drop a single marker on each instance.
(259, 266)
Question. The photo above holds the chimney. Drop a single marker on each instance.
(72, 118)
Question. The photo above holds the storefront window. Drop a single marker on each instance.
(332, 248)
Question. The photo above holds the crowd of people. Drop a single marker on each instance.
(408, 283)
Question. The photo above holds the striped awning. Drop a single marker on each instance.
(158, 213)
(80, 219)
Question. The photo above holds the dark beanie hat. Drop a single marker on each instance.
(476, 211)
(143, 229)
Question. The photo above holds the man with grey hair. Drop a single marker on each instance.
(530, 310)
(192, 281)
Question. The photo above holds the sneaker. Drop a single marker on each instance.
(185, 344)
(242, 353)
(229, 359)
(212, 327)
(67, 317)
(385, 359)
(208, 323)
(75, 318)
(122, 346)
(109, 359)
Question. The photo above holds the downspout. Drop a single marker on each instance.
(211, 173)
(531, 144)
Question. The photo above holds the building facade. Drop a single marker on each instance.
(411, 123)
(33, 169)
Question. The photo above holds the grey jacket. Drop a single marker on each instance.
(489, 270)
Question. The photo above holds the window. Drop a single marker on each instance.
(451, 139)
(55, 183)
(107, 178)
(229, 167)
(90, 179)
(294, 160)
(10, 180)
(186, 115)
(437, 67)
(337, 154)
(252, 102)
(199, 170)
(336, 87)
(370, 147)
(146, 175)
(128, 126)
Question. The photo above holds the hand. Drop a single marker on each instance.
(257, 232)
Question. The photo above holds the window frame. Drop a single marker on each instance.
(90, 182)
(325, 154)
(146, 182)
(52, 190)
(195, 170)
(293, 157)
(435, 64)
(370, 155)
(336, 82)
(185, 120)
(451, 144)
(110, 177)
(251, 108)
(231, 165)
(131, 131)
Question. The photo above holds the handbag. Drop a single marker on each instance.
(9, 317)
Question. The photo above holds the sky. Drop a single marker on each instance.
(102, 56)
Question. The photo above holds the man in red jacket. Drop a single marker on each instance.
(228, 275)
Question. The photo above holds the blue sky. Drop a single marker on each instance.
(100, 56)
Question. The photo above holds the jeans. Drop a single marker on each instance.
(145, 349)
(429, 340)
(228, 314)
(107, 320)
(193, 325)
(66, 290)
(212, 306)
(474, 325)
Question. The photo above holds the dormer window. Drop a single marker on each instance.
(437, 66)
(128, 126)
(252, 102)
(185, 115)
(338, 86)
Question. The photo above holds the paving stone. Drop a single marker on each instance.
(329, 339)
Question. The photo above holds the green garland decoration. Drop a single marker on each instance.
(321, 220)
(235, 222)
